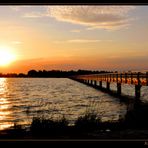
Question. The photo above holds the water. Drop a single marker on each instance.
(21, 99)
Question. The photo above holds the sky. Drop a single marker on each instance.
(74, 37)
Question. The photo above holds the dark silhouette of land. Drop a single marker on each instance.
(133, 125)
(51, 74)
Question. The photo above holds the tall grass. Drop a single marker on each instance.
(43, 127)
(89, 122)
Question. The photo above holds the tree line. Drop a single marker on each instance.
(52, 73)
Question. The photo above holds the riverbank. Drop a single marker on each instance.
(133, 126)
(126, 134)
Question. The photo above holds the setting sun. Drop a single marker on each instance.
(6, 56)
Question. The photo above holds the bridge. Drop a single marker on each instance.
(134, 78)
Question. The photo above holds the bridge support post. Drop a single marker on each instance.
(138, 87)
(137, 91)
(100, 84)
(108, 85)
(91, 82)
(86, 81)
(95, 83)
(147, 78)
(119, 88)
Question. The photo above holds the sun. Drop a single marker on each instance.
(6, 56)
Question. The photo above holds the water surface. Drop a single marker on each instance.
(21, 99)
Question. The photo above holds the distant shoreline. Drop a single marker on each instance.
(50, 74)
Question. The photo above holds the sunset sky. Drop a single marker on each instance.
(74, 37)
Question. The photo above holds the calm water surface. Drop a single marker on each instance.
(21, 99)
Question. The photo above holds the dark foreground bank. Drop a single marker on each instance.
(133, 126)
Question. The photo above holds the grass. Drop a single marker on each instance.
(47, 127)
(41, 127)
(135, 123)
(88, 122)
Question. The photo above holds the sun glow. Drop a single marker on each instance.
(6, 56)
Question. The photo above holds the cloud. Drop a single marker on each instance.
(34, 15)
(82, 41)
(93, 17)
(75, 30)
(30, 11)
(106, 17)
(78, 41)
(15, 8)
(19, 8)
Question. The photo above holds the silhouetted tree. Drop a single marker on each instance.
(21, 75)
(32, 73)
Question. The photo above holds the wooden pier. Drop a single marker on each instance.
(135, 78)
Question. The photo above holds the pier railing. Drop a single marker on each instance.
(135, 78)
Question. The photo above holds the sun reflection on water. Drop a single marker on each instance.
(4, 105)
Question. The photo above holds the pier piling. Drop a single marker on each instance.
(100, 84)
(108, 85)
(119, 88)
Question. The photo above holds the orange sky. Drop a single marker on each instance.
(74, 37)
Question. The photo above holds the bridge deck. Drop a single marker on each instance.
(137, 79)
(128, 78)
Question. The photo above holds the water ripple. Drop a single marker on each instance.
(23, 98)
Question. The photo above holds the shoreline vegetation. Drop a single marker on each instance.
(134, 125)
(51, 73)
